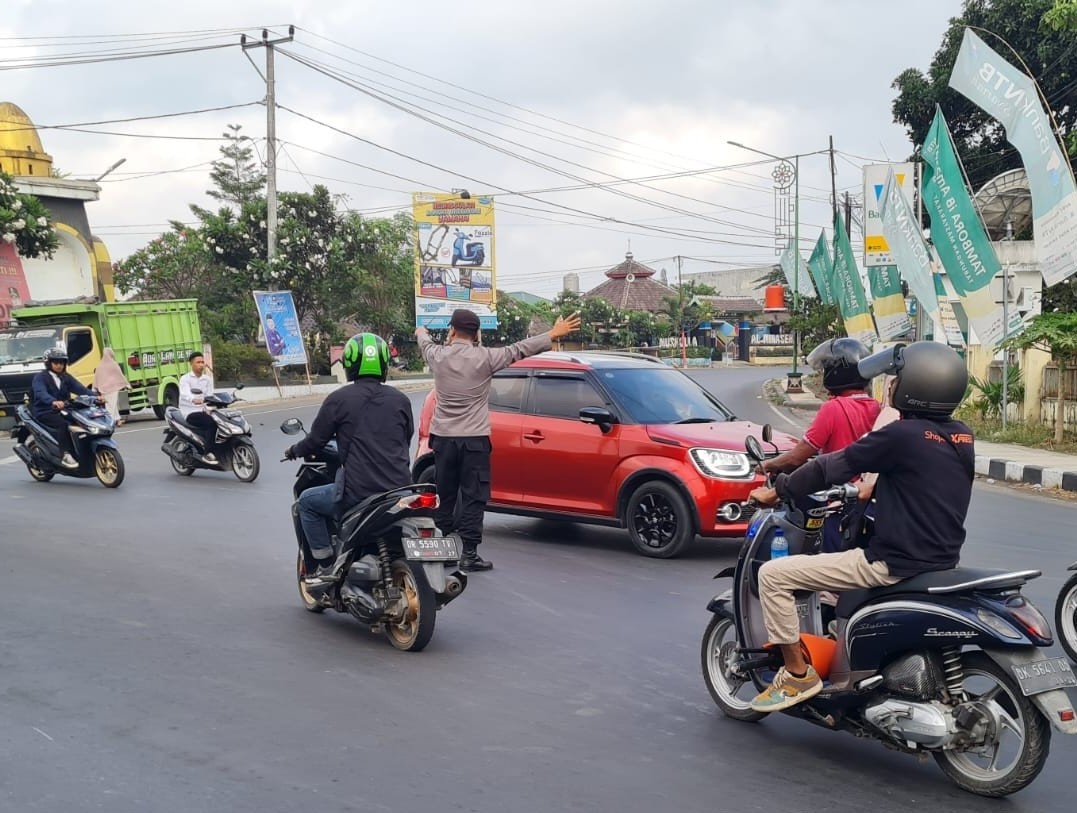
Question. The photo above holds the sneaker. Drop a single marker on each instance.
(786, 690)
(471, 562)
(69, 461)
(210, 458)
(324, 573)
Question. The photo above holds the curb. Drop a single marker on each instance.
(1014, 472)
(773, 390)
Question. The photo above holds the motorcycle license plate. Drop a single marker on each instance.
(1045, 675)
(431, 548)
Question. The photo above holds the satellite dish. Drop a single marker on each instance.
(630, 278)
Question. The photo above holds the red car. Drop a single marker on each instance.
(614, 439)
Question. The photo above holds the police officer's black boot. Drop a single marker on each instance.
(471, 562)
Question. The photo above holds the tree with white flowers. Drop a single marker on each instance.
(24, 222)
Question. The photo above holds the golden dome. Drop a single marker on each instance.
(21, 151)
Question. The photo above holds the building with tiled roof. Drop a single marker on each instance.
(630, 286)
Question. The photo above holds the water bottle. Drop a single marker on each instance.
(779, 545)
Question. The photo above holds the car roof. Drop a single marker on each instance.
(589, 359)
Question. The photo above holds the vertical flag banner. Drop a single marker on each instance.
(820, 265)
(284, 339)
(849, 289)
(888, 302)
(798, 281)
(959, 237)
(877, 249)
(999, 89)
(906, 243)
(454, 259)
(945, 320)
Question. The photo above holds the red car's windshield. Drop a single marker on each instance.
(662, 396)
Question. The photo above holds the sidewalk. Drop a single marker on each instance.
(998, 461)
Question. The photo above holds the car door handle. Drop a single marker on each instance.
(535, 436)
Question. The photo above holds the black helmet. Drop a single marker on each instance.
(366, 355)
(55, 354)
(836, 359)
(931, 377)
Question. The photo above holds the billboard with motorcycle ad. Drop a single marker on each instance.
(454, 261)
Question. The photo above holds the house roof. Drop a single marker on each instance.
(630, 286)
(730, 304)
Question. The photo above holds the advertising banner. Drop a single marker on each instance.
(821, 266)
(959, 237)
(284, 339)
(850, 289)
(906, 242)
(999, 89)
(876, 245)
(454, 258)
(798, 280)
(888, 302)
(14, 292)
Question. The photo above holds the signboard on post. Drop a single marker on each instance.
(876, 248)
(284, 339)
(454, 258)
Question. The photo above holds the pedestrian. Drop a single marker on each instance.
(460, 428)
(109, 381)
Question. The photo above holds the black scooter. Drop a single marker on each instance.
(393, 570)
(946, 663)
(91, 429)
(186, 446)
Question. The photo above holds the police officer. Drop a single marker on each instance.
(460, 428)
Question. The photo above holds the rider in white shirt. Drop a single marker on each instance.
(192, 404)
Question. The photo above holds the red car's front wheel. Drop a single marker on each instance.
(659, 520)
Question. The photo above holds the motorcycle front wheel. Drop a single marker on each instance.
(108, 466)
(1066, 617)
(731, 693)
(1018, 740)
(413, 628)
(245, 463)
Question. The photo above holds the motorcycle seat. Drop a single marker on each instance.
(956, 580)
(173, 414)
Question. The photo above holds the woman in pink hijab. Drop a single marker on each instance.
(108, 379)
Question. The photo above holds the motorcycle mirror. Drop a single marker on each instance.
(768, 433)
(292, 426)
(754, 449)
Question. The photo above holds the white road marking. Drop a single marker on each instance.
(783, 416)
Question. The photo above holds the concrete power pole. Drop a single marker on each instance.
(271, 132)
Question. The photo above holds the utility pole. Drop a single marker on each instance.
(271, 132)
(848, 216)
(833, 184)
(1006, 320)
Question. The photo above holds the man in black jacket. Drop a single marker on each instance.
(52, 389)
(373, 426)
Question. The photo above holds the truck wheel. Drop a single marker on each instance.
(171, 399)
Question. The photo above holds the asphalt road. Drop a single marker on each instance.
(154, 656)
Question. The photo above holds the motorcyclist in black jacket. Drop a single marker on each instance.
(372, 424)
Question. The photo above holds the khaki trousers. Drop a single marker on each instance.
(778, 579)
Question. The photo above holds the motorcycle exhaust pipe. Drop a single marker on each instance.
(179, 457)
(23, 454)
(454, 586)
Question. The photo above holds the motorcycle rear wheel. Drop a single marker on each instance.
(1022, 734)
(719, 644)
(178, 446)
(108, 466)
(41, 475)
(412, 631)
(308, 600)
(1066, 617)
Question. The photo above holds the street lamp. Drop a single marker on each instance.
(787, 172)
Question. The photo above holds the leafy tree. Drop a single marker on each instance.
(816, 323)
(24, 222)
(981, 140)
(376, 274)
(513, 320)
(172, 266)
(1054, 333)
(1063, 17)
(237, 179)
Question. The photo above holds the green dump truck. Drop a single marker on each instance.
(151, 340)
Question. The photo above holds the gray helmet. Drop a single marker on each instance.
(931, 377)
(836, 359)
(55, 354)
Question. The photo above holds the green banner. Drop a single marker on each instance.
(798, 278)
(1002, 91)
(820, 265)
(888, 302)
(906, 243)
(959, 237)
(849, 289)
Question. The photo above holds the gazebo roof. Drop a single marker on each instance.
(630, 286)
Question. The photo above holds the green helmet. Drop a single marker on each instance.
(366, 355)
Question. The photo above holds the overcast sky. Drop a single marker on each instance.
(555, 94)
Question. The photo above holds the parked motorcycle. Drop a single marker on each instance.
(946, 663)
(186, 447)
(466, 251)
(1066, 615)
(394, 570)
(91, 429)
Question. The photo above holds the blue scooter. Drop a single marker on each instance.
(948, 663)
(91, 429)
(466, 251)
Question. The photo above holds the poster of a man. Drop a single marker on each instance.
(275, 343)
(284, 339)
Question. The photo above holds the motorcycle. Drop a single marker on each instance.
(91, 429)
(1066, 615)
(186, 447)
(946, 663)
(393, 570)
(467, 251)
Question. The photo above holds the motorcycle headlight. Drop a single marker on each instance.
(721, 463)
